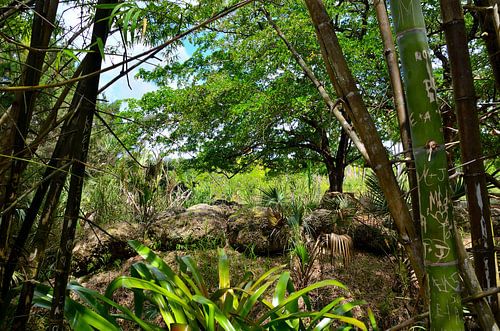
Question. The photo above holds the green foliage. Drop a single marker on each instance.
(246, 188)
(183, 298)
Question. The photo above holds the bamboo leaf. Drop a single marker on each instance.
(133, 25)
(71, 54)
(100, 45)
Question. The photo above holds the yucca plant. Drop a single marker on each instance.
(185, 302)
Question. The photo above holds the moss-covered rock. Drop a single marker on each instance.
(200, 225)
(258, 231)
(97, 248)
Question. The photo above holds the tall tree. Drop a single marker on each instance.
(478, 202)
(260, 84)
(436, 208)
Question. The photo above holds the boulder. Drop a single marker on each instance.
(257, 231)
(370, 235)
(97, 249)
(201, 225)
(320, 221)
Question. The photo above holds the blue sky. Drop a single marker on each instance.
(121, 89)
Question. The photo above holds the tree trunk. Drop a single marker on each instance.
(38, 251)
(81, 125)
(490, 34)
(340, 163)
(436, 208)
(346, 88)
(399, 104)
(485, 260)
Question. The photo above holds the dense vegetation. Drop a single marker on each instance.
(281, 107)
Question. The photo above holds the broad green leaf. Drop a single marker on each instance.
(265, 275)
(246, 305)
(296, 295)
(224, 278)
(348, 306)
(219, 316)
(301, 315)
(324, 310)
(81, 318)
(155, 261)
(197, 277)
(373, 322)
(280, 291)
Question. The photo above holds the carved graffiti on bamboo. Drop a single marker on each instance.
(429, 83)
(447, 284)
(436, 249)
(448, 310)
(430, 88)
(425, 117)
(421, 55)
(428, 178)
(437, 212)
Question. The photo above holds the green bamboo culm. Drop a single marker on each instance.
(430, 159)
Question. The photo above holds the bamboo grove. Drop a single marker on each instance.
(51, 104)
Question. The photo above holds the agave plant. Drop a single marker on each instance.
(274, 198)
(185, 302)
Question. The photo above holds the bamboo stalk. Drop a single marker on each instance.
(436, 210)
